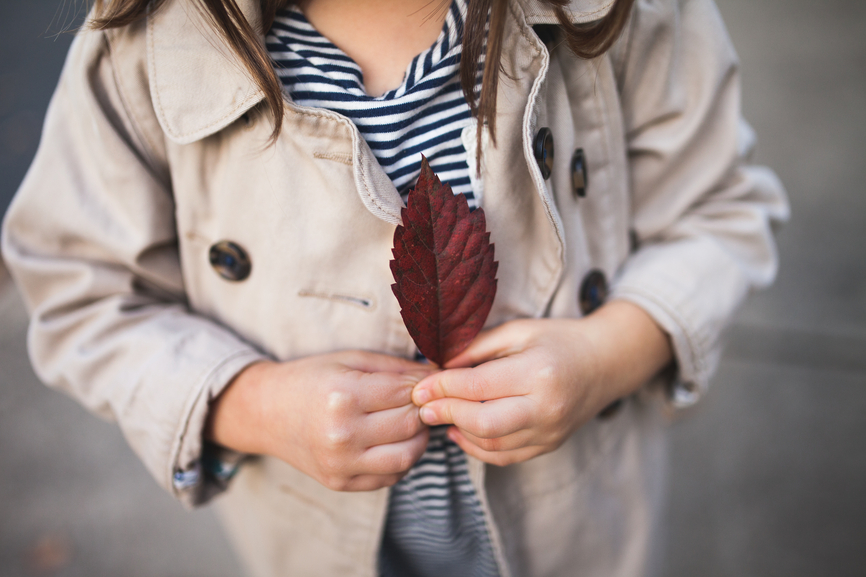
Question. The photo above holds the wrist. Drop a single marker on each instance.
(630, 347)
(236, 416)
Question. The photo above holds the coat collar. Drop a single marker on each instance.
(581, 11)
(198, 85)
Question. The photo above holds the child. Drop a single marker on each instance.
(204, 242)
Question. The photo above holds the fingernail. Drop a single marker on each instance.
(427, 415)
(421, 397)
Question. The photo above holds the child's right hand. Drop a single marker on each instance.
(346, 419)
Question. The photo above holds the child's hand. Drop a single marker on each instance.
(346, 419)
(541, 379)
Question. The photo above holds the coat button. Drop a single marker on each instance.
(579, 177)
(230, 260)
(593, 291)
(543, 148)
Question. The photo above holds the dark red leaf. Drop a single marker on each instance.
(444, 268)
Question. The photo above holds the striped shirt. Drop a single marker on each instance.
(435, 524)
(427, 114)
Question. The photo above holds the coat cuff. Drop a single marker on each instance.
(691, 296)
(200, 470)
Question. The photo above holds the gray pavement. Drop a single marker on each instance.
(768, 473)
(74, 500)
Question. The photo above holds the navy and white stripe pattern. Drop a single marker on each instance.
(426, 114)
(435, 524)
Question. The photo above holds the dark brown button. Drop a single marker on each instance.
(611, 410)
(543, 149)
(230, 261)
(579, 178)
(593, 291)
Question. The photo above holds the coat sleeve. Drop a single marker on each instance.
(703, 215)
(91, 241)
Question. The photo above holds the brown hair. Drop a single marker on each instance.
(585, 40)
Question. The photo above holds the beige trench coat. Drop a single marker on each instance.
(155, 149)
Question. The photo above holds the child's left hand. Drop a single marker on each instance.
(540, 380)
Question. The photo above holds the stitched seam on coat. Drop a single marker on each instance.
(365, 303)
(532, 103)
(605, 114)
(695, 358)
(121, 90)
(369, 192)
(181, 429)
(355, 146)
(148, 147)
(341, 157)
(191, 401)
(573, 15)
(255, 95)
(151, 65)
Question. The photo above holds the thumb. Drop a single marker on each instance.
(490, 344)
(490, 380)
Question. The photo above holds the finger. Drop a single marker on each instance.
(495, 379)
(498, 458)
(393, 458)
(390, 426)
(498, 342)
(378, 391)
(380, 363)
(496, 418)
(520, 439)
(369, 482)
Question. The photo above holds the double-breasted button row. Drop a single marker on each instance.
(230, 260)
(544, 153)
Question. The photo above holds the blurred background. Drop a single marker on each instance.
(769, 472)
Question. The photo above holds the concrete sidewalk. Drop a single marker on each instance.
(74, 500)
